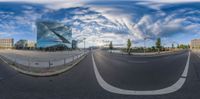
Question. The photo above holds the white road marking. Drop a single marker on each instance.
(3, 60)
(185, 72)
(176, 86)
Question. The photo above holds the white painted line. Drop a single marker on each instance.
(176, 86)
(3, 60)
(185, 72)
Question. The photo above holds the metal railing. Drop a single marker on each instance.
(45, 60)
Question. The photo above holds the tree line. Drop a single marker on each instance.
(157, 48)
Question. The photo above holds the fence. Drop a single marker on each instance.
(47, 59)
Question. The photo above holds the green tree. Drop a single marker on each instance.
(172, 45)
(182, 46)
(178, 46)
(153, 48)
(129, 46)
(158, 44)
(188, 46)
(111, 46)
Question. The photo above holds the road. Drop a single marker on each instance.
(128, 73)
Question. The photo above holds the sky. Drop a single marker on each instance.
(102, 21)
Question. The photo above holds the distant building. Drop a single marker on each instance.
(31, 44)
(74, 44)
(53, 35)
(195, 44)
(21, 44)
(6, 43)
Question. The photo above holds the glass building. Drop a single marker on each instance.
(53, 35)
(21, 44)
(74, 44)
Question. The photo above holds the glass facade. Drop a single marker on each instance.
(21, 44)
(74, 44)
(53, 34)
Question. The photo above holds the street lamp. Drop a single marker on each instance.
(145, 38)
(145, 45)
(84, 44)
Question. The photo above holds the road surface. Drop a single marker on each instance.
(137, 74)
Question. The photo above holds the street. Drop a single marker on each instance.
(103, 75)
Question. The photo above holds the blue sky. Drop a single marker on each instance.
(103, 21)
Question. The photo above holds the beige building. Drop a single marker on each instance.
(31, 44)
(195, 44)
(6, 43)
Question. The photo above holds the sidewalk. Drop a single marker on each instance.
(147, 53)
(41, 63)
(41, 59)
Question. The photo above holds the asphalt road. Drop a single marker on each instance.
(125, 72)
(141, 73)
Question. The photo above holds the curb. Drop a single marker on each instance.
(45, 74)
(153, 55)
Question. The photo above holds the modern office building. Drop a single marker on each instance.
(21, 44)
(74, 44)
(195, 44)
(6, 43)
(53, 35)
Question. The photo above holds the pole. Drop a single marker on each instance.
(144, 45)
(84, 45)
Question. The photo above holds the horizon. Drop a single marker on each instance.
(102, 21)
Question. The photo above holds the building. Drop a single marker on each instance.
(31, 44)
(6, 43)
(25, 44)
(53, 35)
(21, 44)
(195, 44)
(74, 44)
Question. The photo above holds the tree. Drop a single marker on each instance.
(153, 48)
(129, 46)
(178, 46)
(158, 44)
(172, 46)
(111, 46)
(182, 46)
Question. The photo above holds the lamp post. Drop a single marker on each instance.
(145, 45)
(84, 44)
(145, 38)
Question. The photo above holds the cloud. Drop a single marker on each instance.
(107, 20)
(173, 1)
